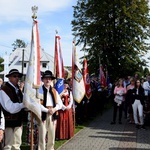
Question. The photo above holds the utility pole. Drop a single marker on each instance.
(22, 63)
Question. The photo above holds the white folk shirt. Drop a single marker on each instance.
(8, 105)
(11, 107)
(2, 119)
(49, 102)
(70, 99)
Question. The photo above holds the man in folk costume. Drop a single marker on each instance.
(12, 106)
(52, 101)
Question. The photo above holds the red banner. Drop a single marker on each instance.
(102, 77)
(58, 59)
(88, 91)
(59, 66)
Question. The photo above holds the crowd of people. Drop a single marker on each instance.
(60, 113)
(132, 97)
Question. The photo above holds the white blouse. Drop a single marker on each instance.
(2, 124)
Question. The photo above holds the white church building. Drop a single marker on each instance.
(19, 59)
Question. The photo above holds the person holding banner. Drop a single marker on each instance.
(12, 106)
(52, 101)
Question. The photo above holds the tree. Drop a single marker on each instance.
(146, 72)
(113, 33)
(19, 44)
(1, 65)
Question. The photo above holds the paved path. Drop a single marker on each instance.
(100, 135)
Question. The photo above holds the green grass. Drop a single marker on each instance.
(25, 147)
(61, 142)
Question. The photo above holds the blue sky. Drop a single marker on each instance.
(16, 23)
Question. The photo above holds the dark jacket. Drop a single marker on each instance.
(139, 96)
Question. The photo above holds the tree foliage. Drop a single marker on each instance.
(146, 72)
(114, 33)
(1, 65)
(18, 44)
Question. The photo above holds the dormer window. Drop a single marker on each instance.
(44, 65)
(25, 65)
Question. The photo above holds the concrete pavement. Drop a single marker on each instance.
(101, 135)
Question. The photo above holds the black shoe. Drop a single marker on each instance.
(142, 127)
(113, 122)
(131, 122)
(120, 122)
(137, 126)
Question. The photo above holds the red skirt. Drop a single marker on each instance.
(65, 125)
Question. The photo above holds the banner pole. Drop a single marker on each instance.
(32, 138)
(34, 16)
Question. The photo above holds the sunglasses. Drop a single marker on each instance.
(16, 76)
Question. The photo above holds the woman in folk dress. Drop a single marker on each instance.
(65, 122)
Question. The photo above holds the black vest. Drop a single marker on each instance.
(55, 115)
(12, 120)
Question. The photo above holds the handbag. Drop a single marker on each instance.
(119, 97)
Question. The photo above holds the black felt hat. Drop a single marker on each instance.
(14, 71)
(48, 74)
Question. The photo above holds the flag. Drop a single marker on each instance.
(32, 81)
(78, 88)
(6, 66)
(58, 66)
(88, 91)
(107, 79)
(102, 76)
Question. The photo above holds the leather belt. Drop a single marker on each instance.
(12, 117)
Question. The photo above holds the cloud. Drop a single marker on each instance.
(16, 23)
(21, 9)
